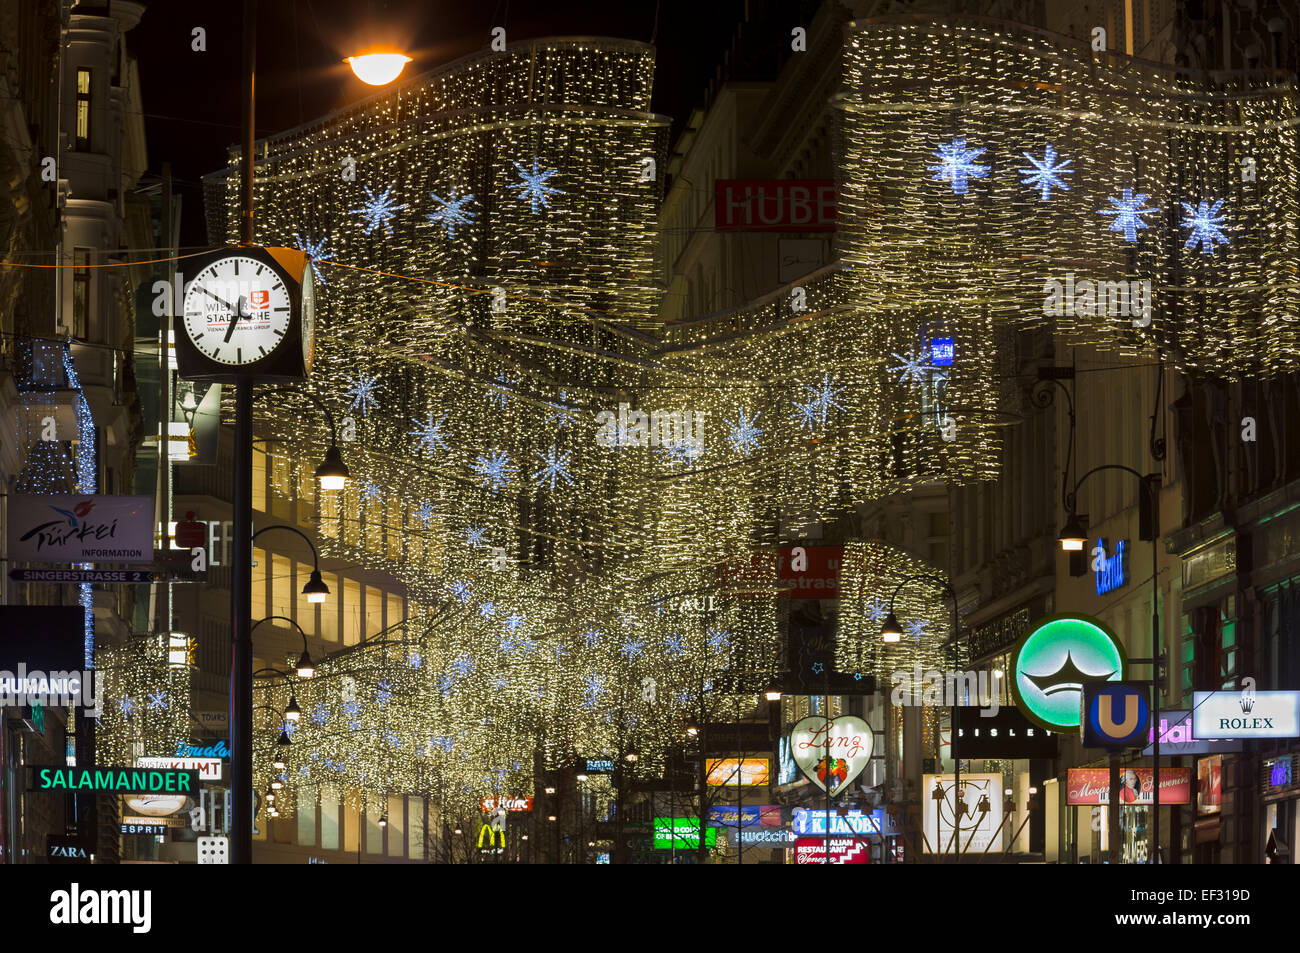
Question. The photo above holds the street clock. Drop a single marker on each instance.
(248, 313)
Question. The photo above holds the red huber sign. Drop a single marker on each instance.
(774, 205)
(843, 850)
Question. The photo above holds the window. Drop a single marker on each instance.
(394, 610)
(351, 612)
(83, 111)
(415, 827)
(374, 611)
(259, 480)
(330, 609)
(374, 833)
(282, 600)
(306, 818)
(261, 567)
(80, 293)
(396, 826)
(329, 821)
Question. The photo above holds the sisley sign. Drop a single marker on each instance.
(1246, 714)
(81, 529)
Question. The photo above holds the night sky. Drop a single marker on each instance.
(192, 100)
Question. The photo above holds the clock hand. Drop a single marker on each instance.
(234, 319)
(217, 299)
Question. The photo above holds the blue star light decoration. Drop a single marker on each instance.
(461, 590)
(592, 636)
(1128, 212)
(744, 435)
(126, 705)
(430, 434)
(371, 491)
(415, 660)
(685, 452)
(877, 609)
(562, 413)
(384, 693)
(474, 536)
(487, 609)
(673, 645)
(683, 697)
(443, 743)
(506, 645)
(362, 392)
(1046, 173)
(914, 367)
(290, 728)
(822, 400)
(312, 250)
(495, 469)
(445, 684)
(424, 513)
(157, 699)
(916, 629)
(351, 709)
(500, 682)
(514, 623)
(554, 465)
(956, 166)
(1206, 223)
(500, 394)
(719, 640)
(818, 668)
(559, 651)
(631, 649)
(320, 714)
(595, 688)
(453, 212)
(534, 187)
(378, 210)
(463, 665)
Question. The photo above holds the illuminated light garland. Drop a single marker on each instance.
(145, 702)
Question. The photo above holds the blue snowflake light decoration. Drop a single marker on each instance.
(312, 250)
(914, 367)
(378, 210)
(631, 649)
(362, 392)
(956, 166)
(500, 393)
(487, 609)
(1128, 212)
(592, 636)
(415, 660)
(514, 623)
(463, 665)
(877, 609)
(126, 705)
(500, 682)
(430, 434)
(424, 513)
(686, 452)
(320, 714)
(744, 435)
(534, 187)
(673, 645)
(1046, 173)
(595, 688)
(158, 700)
(384, 693)
(495, 470)
(822, 400)
(474, 536)
(553, 465)
(506, 645)
(453, 212)
(1206, 223)
(562, 413)
(370, 491)
(461, 590)
(916, 629)
(719, 640)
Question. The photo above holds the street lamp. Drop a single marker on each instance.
(378, 67)
(291, 710)
(891, 631)
(692, 729)
(1073, 534)
(315, 589)
(550, 790)
(333, 473)
(305, 668)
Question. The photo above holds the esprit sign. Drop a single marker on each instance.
(208, 769)
(831, 752)
(81, 529)
(774, 205)
(1246, 714)
(514, 805)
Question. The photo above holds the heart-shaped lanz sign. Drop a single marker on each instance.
(831, 752)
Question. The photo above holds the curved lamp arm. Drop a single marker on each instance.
(329, 417)
(315, 558)
(1071, 498)
(283, 618)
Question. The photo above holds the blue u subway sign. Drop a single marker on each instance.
(1115, 715)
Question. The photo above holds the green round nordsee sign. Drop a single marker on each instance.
(1053, 660)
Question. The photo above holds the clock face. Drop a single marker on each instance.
(237, 310)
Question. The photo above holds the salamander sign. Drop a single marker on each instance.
(116, 780)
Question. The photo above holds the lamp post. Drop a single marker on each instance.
(891, 633)
(241, 576)
(1073, 537)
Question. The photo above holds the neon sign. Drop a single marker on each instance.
(941, 351)
(1109, 571)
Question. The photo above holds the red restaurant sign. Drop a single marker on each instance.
(774, 205)
(512, 804)
(1092, 786)
(843, 850)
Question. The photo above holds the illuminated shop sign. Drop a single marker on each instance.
(1092, 786)
(981, 821)
(682, 833)
(731, 815)
(208, 769)
(1053, 660)
(1246, 714)
(810, 822)
(514, 805)
(1110, 572)
(763, 837)
(736, 772)
(1177, 737)
(134, 780)
(596, 765)
(941, 351)
(1279, 772)
(831, 850)
(831, 752)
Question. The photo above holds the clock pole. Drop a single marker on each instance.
(241, 583)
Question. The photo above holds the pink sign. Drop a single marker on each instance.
(1092, 786)
(842, 850)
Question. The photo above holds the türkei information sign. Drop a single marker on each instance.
(775, 205)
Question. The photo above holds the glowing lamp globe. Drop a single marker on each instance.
(378, 69)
